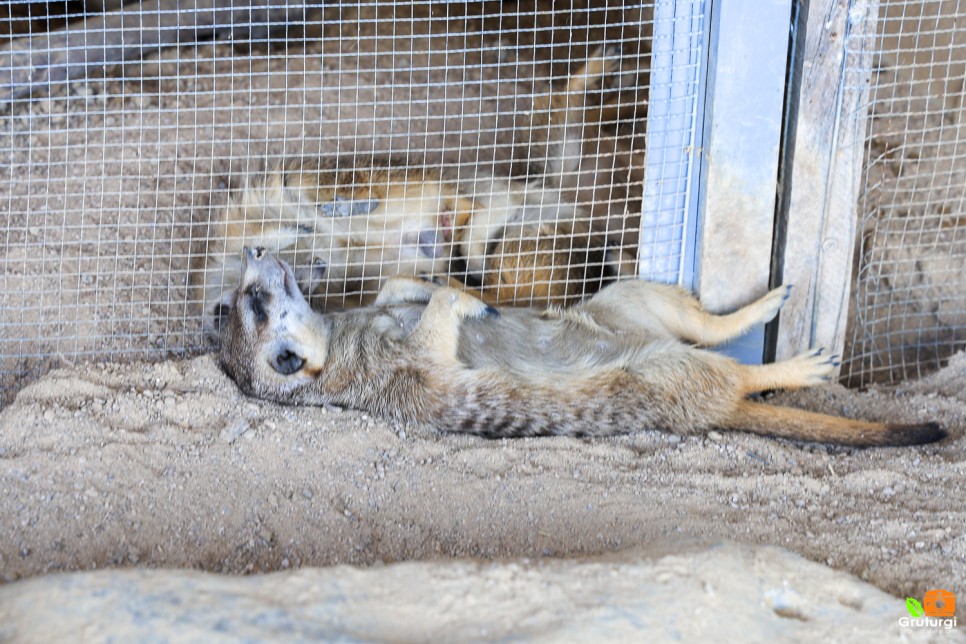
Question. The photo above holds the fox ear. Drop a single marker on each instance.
(216, 315)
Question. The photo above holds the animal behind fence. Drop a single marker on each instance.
(346, 225)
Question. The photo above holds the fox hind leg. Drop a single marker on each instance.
(646, 307)
(712, 329)
(805, 370)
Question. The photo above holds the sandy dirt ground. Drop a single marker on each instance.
(168, 465)
(693, 593)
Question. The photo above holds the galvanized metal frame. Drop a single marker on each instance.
(717, 178)
(670, 214)
(743, 132)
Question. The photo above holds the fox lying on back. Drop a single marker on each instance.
(610, 365)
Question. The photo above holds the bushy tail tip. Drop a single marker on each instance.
(797, 424)
(921, 434)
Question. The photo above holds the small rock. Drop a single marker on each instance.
(234, 430)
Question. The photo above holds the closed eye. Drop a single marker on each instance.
(256, 304)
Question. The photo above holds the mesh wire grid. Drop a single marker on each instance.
(113, 184)
(909, 297)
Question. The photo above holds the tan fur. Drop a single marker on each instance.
(524, 241)
(433, 354)
(554, 263)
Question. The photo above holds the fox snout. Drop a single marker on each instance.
(250, 255)
(286, 361)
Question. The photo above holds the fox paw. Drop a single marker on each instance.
(465, 306)
(310, 278)
(771, 303)
(812, 368)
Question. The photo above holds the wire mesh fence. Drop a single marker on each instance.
(909, 298)
(120, 168)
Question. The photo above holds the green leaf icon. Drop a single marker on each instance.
(914, 607)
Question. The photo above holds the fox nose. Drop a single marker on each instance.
(287, 362)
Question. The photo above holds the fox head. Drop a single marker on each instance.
(273, 345)
(340, 248)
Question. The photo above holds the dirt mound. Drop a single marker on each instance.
(167, 465)
(722, 593)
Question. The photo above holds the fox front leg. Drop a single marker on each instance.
(405, 289)
(438, 330)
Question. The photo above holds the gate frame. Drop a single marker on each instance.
(817, 251)
(718, 176)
